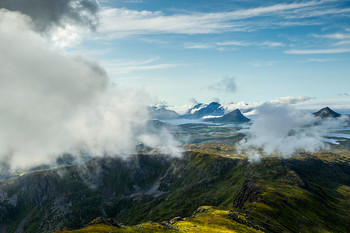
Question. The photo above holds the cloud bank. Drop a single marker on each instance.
(52, 103)
(47, 14)
(281, 130)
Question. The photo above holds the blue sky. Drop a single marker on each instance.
(180, 50)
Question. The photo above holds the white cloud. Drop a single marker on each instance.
(281, 130)
(225, 44)
(117, 67)
(163, 141)
(121, 22)
(230, 106)
(322, 10)
(344, 42)
(181, 109)
(52, 103)
(234, 43)
(197, 46)
(314, 104)
(301, 103)
(272, 44)
(336, 36)
(320, 60)
(290, 100)
(66, 37)
(343, 38)
(317, 51)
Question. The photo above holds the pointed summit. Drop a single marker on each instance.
(232, 117)
(326, 112)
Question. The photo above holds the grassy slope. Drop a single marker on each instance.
(305, 194)
(208, 219)
(196, 180)
(308, 193)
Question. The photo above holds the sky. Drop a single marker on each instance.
(77, 75)
(185, 51)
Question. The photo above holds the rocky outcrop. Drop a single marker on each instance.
(105, 221)
(249, 193)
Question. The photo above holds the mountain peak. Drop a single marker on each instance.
(234, 116)
(202, 110)
(326, 112)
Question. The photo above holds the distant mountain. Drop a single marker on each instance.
(326, 112)
(202, 110)
(162, 113)
(195, 108)
(235, 116)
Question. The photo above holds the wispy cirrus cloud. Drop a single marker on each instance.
(272, 44)
(223, 45)
(133, 22)
(198, 46)
(337, 36)
(342, 38)
(321, 60)
(344, 42)
(118, 67)
(317, 51)
(233, 43)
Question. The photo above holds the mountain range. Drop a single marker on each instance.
(214, 110)
(212, 188)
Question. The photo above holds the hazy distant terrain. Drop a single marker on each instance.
(313, 188)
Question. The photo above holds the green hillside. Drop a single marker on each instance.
(307, 193)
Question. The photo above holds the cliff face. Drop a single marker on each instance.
(70, 197)
(274, 195)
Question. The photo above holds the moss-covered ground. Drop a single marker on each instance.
(206, 220)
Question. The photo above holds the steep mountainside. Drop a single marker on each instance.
(308, 193)
(232, 117)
